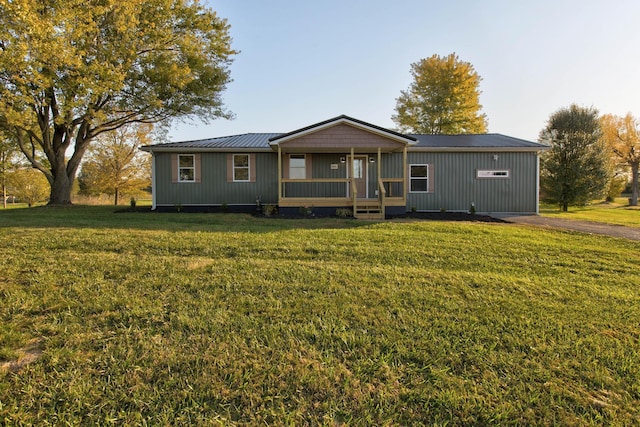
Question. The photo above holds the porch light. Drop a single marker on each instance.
(343, 159)
(372, 159)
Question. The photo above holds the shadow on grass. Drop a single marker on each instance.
(105, 217)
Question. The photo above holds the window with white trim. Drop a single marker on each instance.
(297, 166)
(241, 167)
(186, 168)
(418, 178)
(490, 173)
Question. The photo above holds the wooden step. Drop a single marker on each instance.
(369, 209)
(372, 216)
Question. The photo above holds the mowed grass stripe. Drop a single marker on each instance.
(232, 319)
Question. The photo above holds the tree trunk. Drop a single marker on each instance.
(63, 171)
(60, 188)
(565, 207)
(634, 185)
(60, 183)
(115, 201)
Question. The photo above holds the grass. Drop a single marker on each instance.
(617, 213)
(146, 318)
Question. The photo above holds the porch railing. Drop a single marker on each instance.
(354, 195)
(382, 194)
(338, 192)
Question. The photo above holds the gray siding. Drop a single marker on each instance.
(320, 168)
(213, 189)
(456, 186)
(454, 181)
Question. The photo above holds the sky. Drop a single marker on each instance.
(305, 61)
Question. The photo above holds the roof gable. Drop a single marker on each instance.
(342, 123)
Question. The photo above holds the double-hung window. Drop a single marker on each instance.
(186, 168)
(419, 178)
(241, 167)
(297, 166)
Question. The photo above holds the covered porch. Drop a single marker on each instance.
(343, 163)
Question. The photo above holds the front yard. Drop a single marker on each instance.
(147, 318)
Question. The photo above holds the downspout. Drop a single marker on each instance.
(154, 188)
(279, 174)
(538, 183)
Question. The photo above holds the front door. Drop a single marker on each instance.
(358, 172)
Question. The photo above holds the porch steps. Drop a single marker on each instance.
(369, 209)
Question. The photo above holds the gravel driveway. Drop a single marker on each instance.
(582, 226)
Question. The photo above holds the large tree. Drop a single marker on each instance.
(115, 166)
(622, 134)
(577, 168)
(443, 98)
(71, 70)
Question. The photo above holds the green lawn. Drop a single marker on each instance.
(618, 213)
(165, 319)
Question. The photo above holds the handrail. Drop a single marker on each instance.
(382, 194)
(354, 195)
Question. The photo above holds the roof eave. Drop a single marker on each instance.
(480, 149)
(158, 149)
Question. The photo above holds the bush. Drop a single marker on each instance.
(305, 211)
(270, 210)
(344, 213)
(616, 186)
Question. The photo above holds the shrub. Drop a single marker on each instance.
(616, 186)
(305, 211)
(344, 213)
(270, 210)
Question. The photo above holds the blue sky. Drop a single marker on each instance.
(302, 62)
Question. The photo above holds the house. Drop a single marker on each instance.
(347, 163)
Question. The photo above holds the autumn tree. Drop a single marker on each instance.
(71, 70)
(577, 168)
(115, 166)
(28, 185)
(8, 163)
(622, 135)
(444, 98)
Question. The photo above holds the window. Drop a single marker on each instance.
(241, 167)
(186, 168)
(419, 178)
(484, 173)
(358, 168)
(297, 166)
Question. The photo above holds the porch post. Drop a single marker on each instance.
(404, 174)
(379, 162)
(351, 183)
(279, 174)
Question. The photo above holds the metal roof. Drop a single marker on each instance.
(246, 141)
(467, 141)
(261, 142)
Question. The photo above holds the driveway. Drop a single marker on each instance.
(568, 224)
